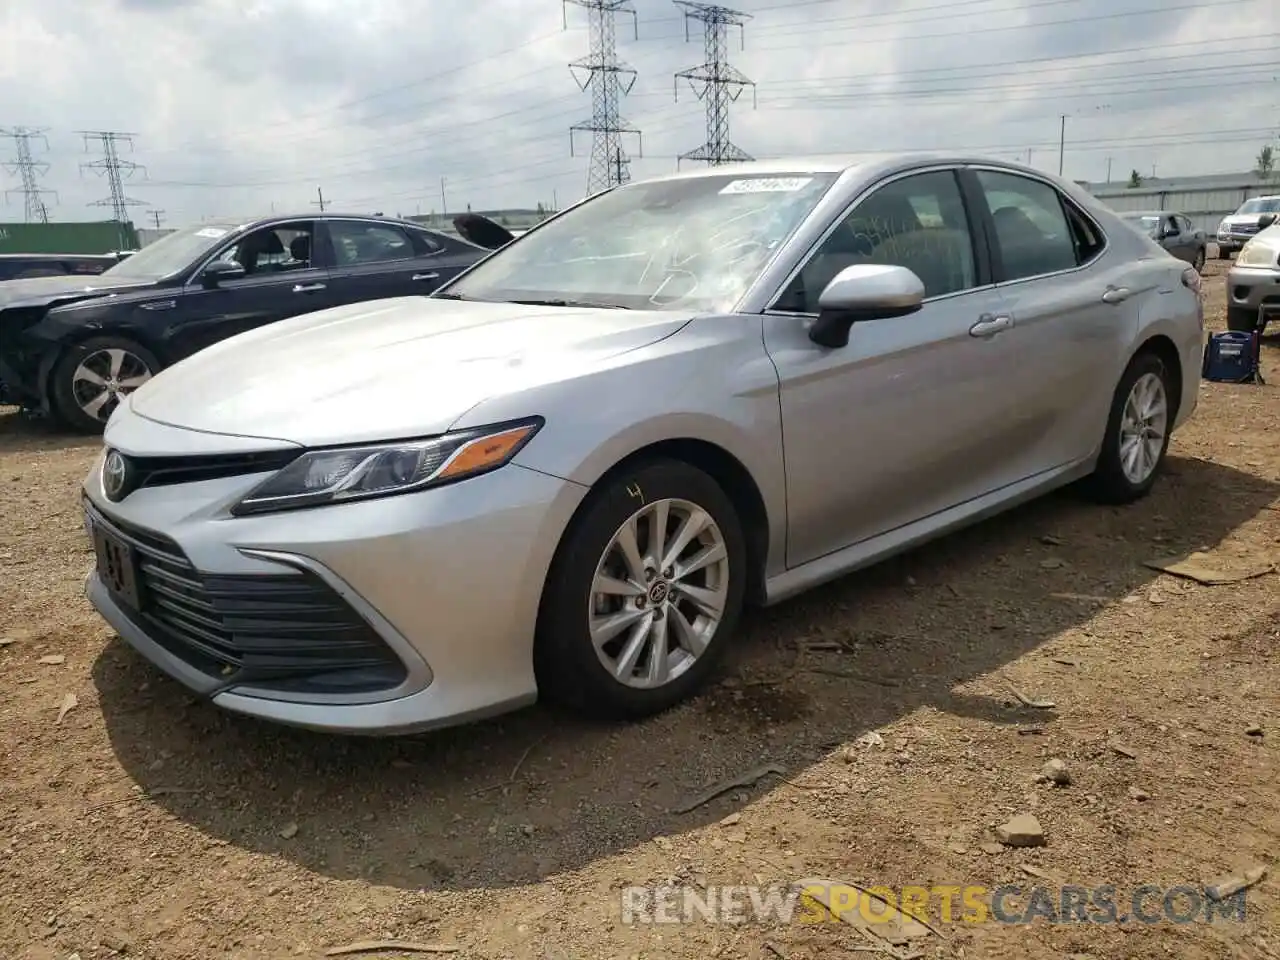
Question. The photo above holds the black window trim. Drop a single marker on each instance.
(1063, 201)
(984, 273)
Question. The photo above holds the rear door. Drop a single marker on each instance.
(375, 259)
(1073, 307)
(282, 279)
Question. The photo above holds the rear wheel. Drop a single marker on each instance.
(1223, 253)
(1137, 437)
(644, 594)
(91, 378)
(1198, 262)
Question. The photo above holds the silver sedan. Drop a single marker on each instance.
(567, 472)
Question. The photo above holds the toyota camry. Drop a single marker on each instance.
(567, 472)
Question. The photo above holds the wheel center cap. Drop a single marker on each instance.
(659, 590)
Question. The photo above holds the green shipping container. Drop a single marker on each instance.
(104, 236)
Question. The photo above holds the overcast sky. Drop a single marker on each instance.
(244, 107)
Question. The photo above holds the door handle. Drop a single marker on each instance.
(426, 276)
(308, 287)
(1116, 295)
(989, 325)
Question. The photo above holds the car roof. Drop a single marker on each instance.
(842, 164)
(1151, 213)
(312, 215)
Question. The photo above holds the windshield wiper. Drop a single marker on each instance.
(591, 304)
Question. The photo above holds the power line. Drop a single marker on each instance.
(115, 170)
(28, 170)
(715, 80)
(609, 80)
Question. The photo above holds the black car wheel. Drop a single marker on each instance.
(91, 378)
(1137, 436)
(644, 593)
(1198, 262)
(1224, 253)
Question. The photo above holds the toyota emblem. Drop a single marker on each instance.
(115, 476)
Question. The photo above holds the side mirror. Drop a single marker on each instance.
(865, 291)
(219, 271)
(1266, 220)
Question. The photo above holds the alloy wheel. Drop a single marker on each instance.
(659, 593)
(1143, 424)
(105, 377)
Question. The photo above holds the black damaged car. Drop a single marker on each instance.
(72, 346)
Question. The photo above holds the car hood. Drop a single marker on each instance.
(387, 369)
(42, 291)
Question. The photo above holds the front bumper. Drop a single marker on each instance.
(449, 580)
(1249, 289)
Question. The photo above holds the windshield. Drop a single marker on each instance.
(1261, 205)
(173, 253)
(688, 244)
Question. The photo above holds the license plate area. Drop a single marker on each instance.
(117, 566)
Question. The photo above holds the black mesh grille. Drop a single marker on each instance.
(286, 631)
(159, 471)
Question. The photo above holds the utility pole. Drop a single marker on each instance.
(1062, 141)
(1029, 152)
(444, 204)
(155, 216)
(715, 80)
(115, 170)
(1108, 169)
(28, 170)
(319, 201)
(620, 165)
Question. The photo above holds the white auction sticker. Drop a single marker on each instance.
(768, 185)
(213, 233)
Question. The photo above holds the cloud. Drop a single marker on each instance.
(243, 106)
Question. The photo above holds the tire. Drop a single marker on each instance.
(71, 394)
(1223, 253)
(569, 671)
(1110, 483)
(1242, 319)
(1198, 262)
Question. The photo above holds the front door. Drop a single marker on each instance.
(281, 280)
(910, 417)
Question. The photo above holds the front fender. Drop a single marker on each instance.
(712, 382)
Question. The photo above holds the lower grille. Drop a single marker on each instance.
(286, 632)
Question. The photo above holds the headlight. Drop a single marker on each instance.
(343, 474)
(1254, 254)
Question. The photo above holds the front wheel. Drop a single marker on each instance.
(643, 595)
(1137, 436)
(1198, 262)
(91, 378)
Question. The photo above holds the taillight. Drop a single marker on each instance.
(1191, 279)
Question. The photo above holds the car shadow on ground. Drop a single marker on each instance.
(20, 433)
(518, 799)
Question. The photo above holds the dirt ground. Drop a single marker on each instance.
(149, 825)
